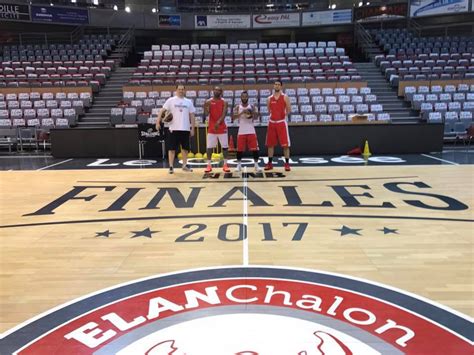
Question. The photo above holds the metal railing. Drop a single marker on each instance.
(77, 34)
(127, 40)
(414, 26)
(363, 37)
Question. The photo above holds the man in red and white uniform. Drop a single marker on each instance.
(246, 137)
(279, 107)
(216, 108)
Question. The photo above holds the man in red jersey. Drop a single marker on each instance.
(216, 108)
(279, 107)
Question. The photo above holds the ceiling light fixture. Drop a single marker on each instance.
(127, 9)
(115, 7)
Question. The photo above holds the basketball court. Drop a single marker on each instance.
(74, 227)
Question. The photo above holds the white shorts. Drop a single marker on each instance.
(213, 137)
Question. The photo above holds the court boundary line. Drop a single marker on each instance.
(443, 160)
(50, 166)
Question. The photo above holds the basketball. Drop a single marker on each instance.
(166, 116)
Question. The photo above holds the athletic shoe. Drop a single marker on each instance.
(268, 166)
(238, 169)
(258, 169)
(171, 170)
(187, 169)
(226, 169)
(287, 167)
(208, 168)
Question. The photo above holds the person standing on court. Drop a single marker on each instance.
(279, 108)
(216, 109)
(246, 137)
(181, 128)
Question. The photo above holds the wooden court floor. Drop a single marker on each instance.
(406, 227)
(68, 233)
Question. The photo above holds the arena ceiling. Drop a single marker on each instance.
(216, 6)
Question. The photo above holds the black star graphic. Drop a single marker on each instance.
(386, 230)
(144, 233)
(346, 230)
(105, 234)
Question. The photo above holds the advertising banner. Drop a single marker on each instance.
(169, 20)
(59, 14)
(14, 12)
(331, 17)
(276, 20)
(437, 7)
(380, 12)
(222, 21)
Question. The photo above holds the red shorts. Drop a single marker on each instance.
(247, 140)
(277, 132)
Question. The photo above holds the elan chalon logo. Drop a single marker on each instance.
(245, 311)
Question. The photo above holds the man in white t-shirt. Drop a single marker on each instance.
(246, 137)
(181, 128)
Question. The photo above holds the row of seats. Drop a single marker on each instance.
(25, 58)
(302, 100)
(56, 70)
(247, 53)
(130, 115)
(272, 45)
(99, 77)
(59, 63)
(47, 122)
(85, 97)
(443, 97)
(437, 89)
(409, 63)
(291, 92)
(57, 83)
(41, 104)
(312, 61)
(81, 50)
(423, 57)
(32, 118)
(214, 72)
(292, 62)
(242, 80)
(85, 40)
(309, 107)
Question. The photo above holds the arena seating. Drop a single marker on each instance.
(244, 63)
(81, 64)
(307, 105)
(44, 110)
(424, 58)
(453, 105)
